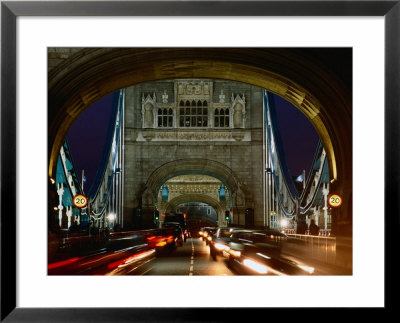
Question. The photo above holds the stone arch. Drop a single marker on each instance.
(203, 198)
(294, 74)
(193, 166)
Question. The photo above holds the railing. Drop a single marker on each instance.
(315, 239)
(322, 233)
(317, 247)
(63, 239)
(77, 240)
(289, 231)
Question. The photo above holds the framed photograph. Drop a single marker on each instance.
(59, 57)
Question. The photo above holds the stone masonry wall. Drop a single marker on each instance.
(243, 157)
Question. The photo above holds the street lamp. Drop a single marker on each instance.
(111, 217)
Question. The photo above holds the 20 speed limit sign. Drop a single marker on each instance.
(80, 201)
(335, 200)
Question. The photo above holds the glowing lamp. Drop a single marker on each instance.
(111, 217)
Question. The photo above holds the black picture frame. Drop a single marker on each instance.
(10, 10)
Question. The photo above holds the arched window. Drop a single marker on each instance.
(165, 117)
(194, 114)
(221, 118)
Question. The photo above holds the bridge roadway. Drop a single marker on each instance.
(193, 258)
(123, 255)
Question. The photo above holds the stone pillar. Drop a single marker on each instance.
(221, 219)
(239, 215)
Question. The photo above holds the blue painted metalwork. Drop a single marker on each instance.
(60, 174)
(274, 130)
(222, 193)
(108, 168)
(318, 198)
(113, 128)
(277, 156)
(199, 172)
(61, 178)
(164, 193)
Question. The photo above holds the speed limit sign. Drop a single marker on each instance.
(80, 201)
(335, 200)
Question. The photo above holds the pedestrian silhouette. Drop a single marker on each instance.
(314, 229)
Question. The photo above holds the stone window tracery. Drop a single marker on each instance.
(193, 106)
(193, 114)
(221, 118)
(165, 117)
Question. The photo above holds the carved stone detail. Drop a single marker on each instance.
(238, 107)
(238, 135)
(178, 135)
(222, 97)
(148, 135)
(165, 97)
(194, 90)
(148, 110)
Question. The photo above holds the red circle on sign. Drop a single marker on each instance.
(335, 200)
(80, 201)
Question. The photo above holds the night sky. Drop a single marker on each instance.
(87, 134)
(298, 135)
(86, 138)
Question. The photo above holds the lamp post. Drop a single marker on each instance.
(325, 192)
(111, 218)
(284, 224)
(60, 191)
(268, 172)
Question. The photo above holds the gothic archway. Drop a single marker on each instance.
(203, 198)
(237, 195)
